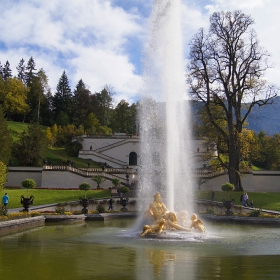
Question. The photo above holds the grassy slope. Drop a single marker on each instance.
(16, 128)
(55, 155)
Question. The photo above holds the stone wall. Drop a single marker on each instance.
(256, 181)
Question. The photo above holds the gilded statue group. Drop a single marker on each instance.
(165, 220)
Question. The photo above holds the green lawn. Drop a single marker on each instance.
(58, 156)
(50, 196)
(269, 201)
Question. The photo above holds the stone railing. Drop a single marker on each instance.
(108, 173)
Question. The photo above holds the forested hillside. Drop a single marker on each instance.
(27, 97)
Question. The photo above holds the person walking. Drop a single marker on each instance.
(5, 201)
(110, 204)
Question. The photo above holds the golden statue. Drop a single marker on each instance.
(196, 223)
(158, 211)
(158, 228)
(157, 208)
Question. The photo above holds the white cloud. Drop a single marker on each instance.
(86, 38)
(100, 41)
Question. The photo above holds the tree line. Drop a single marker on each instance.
(27, 97)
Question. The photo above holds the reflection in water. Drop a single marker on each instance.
(159, 258)
(110, 250)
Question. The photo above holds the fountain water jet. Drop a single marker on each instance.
(165, 143)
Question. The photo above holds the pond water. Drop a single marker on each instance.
(111, 250)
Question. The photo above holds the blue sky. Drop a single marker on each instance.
(101, 41)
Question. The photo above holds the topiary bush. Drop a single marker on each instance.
(124, 189)
(85, 187)
(28, 184)
(227, 187)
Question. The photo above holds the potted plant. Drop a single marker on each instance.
(27, 201)
(228, 187)
(98, 179)
(116, 182)
(85, 201)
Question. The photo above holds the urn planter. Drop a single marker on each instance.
(123, 202)
(26, 202)
(227, 204)
(85, 203)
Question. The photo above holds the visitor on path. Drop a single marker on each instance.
(5, 200)
(252, 204)
(110, 204)
(245, 199)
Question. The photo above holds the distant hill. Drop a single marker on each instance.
(266, 118)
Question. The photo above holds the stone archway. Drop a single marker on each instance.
(132, 158)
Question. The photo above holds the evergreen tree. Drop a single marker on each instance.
(7, 72)
(6, 139)
(62, 97)
(30, 71)
(102, 103)
(21, 71)
(47, 115)
(81, 103)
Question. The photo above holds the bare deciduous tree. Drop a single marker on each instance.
(226, 73)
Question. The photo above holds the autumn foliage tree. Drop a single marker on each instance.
(226, 73)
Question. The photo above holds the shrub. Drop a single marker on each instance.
(255, 213)
(72, 148)
(60, 210)
(28, 184)
(85, 187)
(124, 189)
(227, 187)
(210, 210)
(100, 208)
